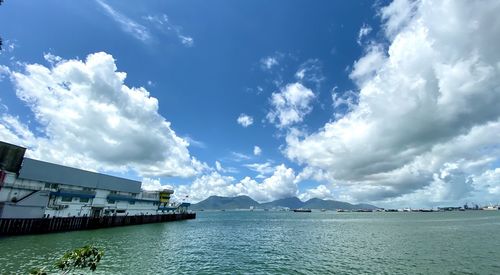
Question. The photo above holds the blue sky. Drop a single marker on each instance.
(207, 63)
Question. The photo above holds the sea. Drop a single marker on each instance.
(279, 242)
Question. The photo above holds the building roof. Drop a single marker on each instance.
(53, 173)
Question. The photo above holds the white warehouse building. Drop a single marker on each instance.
(36, 189)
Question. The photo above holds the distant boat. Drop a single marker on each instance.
(302, 210)
(323, 210)
(491, 207)
(252, 208)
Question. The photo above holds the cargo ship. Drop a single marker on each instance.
(43, 197)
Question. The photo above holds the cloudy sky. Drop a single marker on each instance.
(396, 103)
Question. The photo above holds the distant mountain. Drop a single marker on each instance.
(292, 203)
(332, 205)
(219, 203)
(244, 202)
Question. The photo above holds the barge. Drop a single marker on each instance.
(42, 197)
(302, 210)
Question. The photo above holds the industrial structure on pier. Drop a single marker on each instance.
(33, 189)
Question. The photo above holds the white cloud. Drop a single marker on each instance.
(427, 120)
(343, 103)
(269, 62)
(489, 183)
(218, 166)
(194, 142)
(397, 15)
(367, 66)
(245, 120)
(128, 25)
(150, 184)
(187, 40)
(8, 46)
(257, 151)
(239, 156)
(310, 72)
(52, 59)
(163, 24)
(281, 184)
(263, 169)
(319, 192)
(364, 31)
(290, 105)
(4, 71)
(89, 118)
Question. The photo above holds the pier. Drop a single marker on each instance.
(49, 225)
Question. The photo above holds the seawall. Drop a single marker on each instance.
(49, 225)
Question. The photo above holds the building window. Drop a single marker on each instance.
(111, 201)
(84, 199)
(67, 199)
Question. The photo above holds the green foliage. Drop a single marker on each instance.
(38, 271)
(80, 258)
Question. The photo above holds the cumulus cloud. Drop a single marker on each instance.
(290, 105)
(150, 184)
(426, 124)
(245, 120)
(128, 25)
(319, 192)
(87, 117)
(263, 169)
(257, 151)
(367, 67)
(397, 15)
(281, 184)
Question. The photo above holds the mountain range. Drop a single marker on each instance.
(245, 202)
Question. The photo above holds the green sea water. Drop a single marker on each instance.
(243, 242)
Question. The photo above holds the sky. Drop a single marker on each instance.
(395, 103)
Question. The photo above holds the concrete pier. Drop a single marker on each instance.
(49, 225)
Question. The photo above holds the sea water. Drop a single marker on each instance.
(261, 242)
